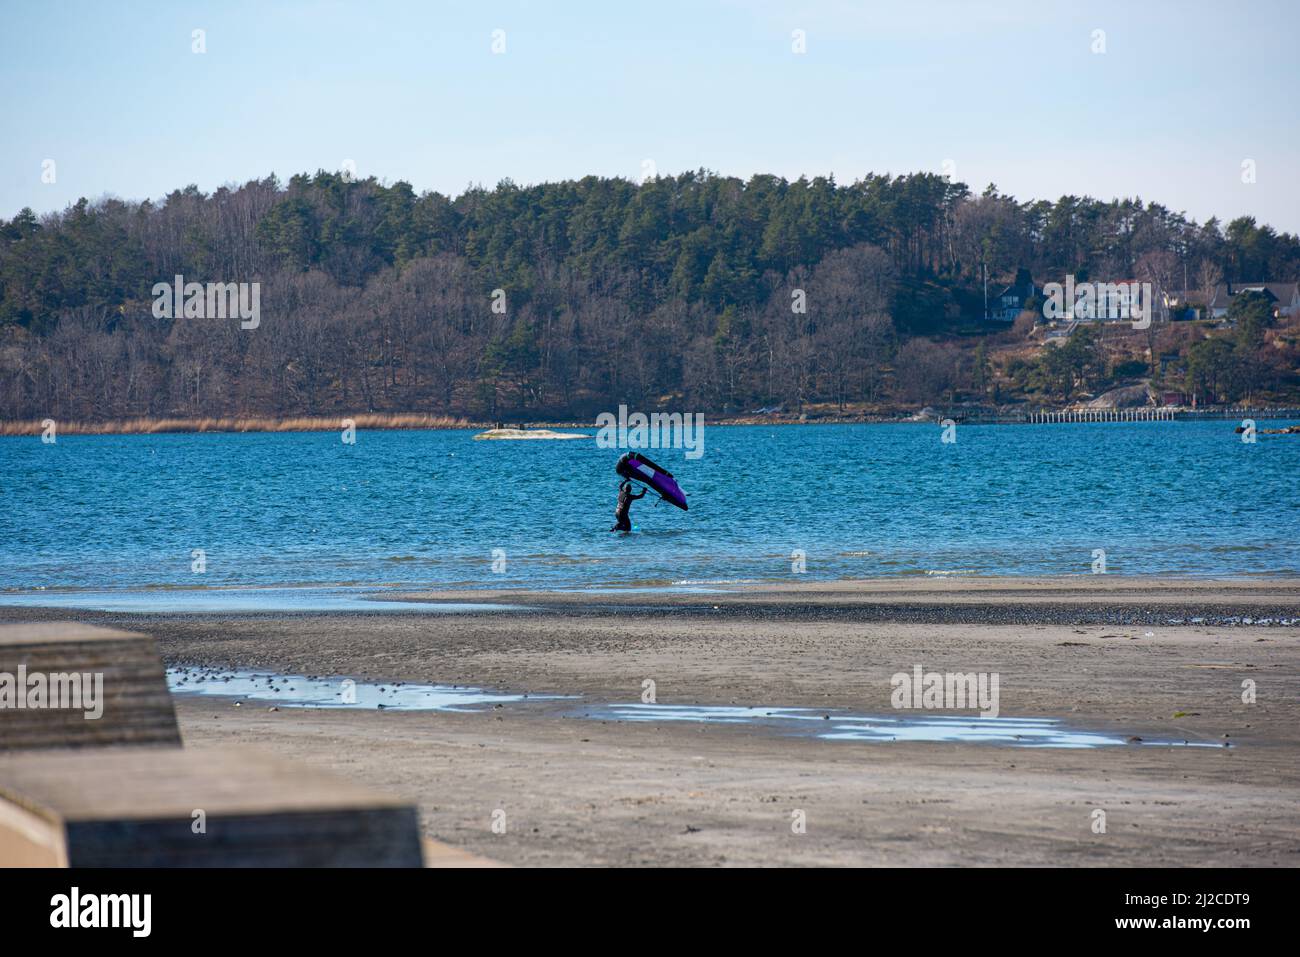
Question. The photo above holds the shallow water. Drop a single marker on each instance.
(187, 601)
(299, 691)
(900, 726)
(438, 509)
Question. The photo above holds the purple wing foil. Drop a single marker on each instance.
(638, 467)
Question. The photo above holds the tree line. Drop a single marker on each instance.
(561, 299)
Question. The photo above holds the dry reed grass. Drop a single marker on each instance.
(251, 423)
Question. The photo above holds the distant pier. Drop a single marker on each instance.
(1141, 414)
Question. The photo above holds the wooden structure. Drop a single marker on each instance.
(168, 807)
(116, 790)
(132, 698)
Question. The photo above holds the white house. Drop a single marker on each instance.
(1285, 296)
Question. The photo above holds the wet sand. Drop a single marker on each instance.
(1090, 651)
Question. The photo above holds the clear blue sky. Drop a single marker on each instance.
(1010, 92)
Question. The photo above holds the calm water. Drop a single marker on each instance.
(301, 691)
(429, 508)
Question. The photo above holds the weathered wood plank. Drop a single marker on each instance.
(127, 680)
(136, 807)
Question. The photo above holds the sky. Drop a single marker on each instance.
(1161, 100)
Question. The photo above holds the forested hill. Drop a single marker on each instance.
(677, 291)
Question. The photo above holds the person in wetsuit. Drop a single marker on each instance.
(625, 498)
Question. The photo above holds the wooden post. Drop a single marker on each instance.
(118, 674)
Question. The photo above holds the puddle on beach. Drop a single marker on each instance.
(239, 600)
(835, 726)
(299, 691)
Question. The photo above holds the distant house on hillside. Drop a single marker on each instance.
(1181, 303)
(1118, 300)
(1285, 296)
(1007, 305)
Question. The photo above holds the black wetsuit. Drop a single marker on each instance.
(625, 498)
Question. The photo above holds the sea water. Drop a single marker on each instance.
(438, 509)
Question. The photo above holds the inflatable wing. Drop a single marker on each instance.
(634, 465)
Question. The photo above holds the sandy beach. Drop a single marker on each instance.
(1099, 655)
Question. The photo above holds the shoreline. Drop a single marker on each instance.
(166, 425)
(606, 787)
(994, 600)
(417, 421)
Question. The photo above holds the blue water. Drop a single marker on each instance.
(428, 508)
(228, 600)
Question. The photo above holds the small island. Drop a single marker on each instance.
(529, 434)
